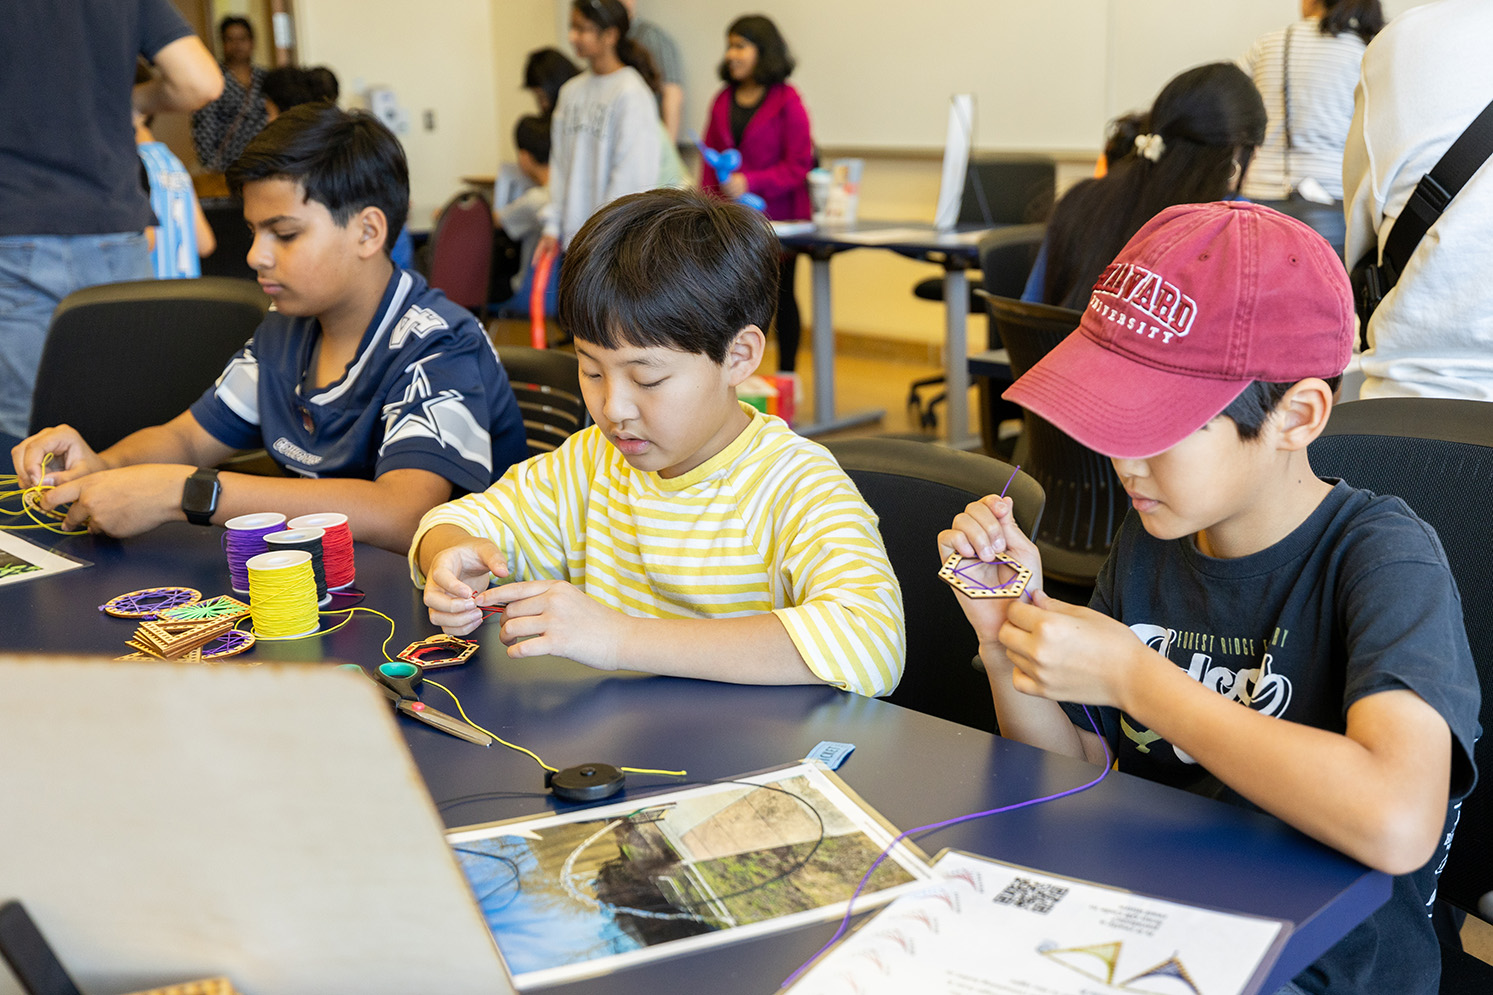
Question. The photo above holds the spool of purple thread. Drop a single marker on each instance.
(245, 538)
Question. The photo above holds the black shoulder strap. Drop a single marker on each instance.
(1435, 190)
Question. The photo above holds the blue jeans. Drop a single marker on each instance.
(36, 273)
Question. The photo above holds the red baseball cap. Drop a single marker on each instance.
(1203, 301)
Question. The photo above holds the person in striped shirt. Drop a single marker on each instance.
(684, 533)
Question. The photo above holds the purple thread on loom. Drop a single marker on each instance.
(999, 587)
(245, 538)
(850, 905)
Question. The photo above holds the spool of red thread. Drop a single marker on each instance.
(336, 546)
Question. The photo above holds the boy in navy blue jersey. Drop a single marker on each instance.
(378, 396)
(1258, 634)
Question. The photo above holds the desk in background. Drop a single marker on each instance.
(958, 252)
(913, 768)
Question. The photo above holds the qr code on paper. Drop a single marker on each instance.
(1031, 895)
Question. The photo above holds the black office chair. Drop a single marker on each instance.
(225, 216)
(916, 489)
(1437, 455)
(547, 385)
(1085, 500)
(122, 356)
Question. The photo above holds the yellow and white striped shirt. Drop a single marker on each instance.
(770, 523)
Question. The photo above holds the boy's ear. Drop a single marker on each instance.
(1302, 413)
(744, 354)
(372, 229)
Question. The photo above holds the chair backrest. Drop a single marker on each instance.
(1085, 502)
(122, 356)
(546, 383)
(461, 251)
(225, 216)
(1437, 455)
(916, 489)
(1008, 189)
(1006, 258)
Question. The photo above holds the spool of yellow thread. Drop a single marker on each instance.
(282, 594)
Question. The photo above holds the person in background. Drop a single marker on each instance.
(1196, 146)
(289, 86)
(605, 139)
(73, 211)
(760, 113)
(181, 237)
(1425, 78)
(545, 71)
(1119, 141)
(1306, 74)
(664, 51)
(222, 129)
(520, 218)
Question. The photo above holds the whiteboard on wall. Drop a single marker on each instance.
(1046, 74)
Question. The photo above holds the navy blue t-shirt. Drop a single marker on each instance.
(1357, 600)
(67, 145)
(426, 392)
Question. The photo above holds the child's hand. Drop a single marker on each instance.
(451, 586)
(984, 528)
(71, 457)
(122, 502)
(554, 617)
(1069, 652)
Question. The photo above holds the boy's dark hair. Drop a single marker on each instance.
(532, 135)
(548, 69)
(234, 20)
(323, 83)
(1250, 409)
(774, 63)
(672, 268)
(289, 86)
(344, 160)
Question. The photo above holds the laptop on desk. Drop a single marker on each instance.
(163, 823)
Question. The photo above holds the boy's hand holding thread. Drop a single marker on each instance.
(1072, 653)
(553, 617)
(987, 527)
(457, 575)
(71, 457)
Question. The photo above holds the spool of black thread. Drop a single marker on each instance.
(310, 541)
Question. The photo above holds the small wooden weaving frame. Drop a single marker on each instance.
(170, 640)
(121, 605)
(210, 610)
(462, 648)
(1013, 588)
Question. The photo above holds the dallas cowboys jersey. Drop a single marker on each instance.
(425, 392)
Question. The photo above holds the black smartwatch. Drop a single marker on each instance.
(199, 496)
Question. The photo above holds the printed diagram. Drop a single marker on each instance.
(1169, 977)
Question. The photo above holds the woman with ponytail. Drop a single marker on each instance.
(1195, 145)
(1306, 74)
(605, 134)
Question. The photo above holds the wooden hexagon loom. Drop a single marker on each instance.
(438, 651)
(954, 575)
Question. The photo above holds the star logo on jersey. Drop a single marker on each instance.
(417, 321)
(426, 413)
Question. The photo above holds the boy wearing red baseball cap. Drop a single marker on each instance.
(1205, 364)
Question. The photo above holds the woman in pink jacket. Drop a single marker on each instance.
(760, 114)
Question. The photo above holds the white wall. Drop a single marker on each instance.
(438, 57)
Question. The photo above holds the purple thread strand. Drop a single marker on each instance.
(850, 905)
(981, 584)
(1008, 482)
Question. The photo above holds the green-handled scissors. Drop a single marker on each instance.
(400, 683)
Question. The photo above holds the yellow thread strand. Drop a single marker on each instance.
(531, 753)
(358, 608)
(30, 498)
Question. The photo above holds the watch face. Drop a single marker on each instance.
(199, 496)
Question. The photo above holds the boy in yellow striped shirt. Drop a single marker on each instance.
(685, 533)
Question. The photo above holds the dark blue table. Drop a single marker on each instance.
(913, 768)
